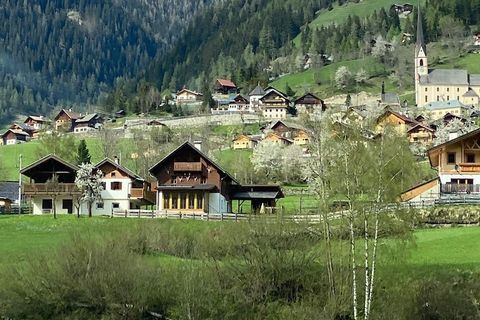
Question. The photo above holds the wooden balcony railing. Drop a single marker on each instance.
(187, 166)
(49, 188)
(139, 193)
(469, 167)
(460, 188)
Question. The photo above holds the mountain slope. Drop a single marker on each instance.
(67, 52)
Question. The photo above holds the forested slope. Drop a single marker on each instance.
(67, 52)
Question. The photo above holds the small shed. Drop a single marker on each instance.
(259, 196)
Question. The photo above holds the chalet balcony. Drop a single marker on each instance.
(143, 193)
(50, 188)
(469, 167)
(460, 188)
(187, 166)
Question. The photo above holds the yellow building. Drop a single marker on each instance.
(436, 85)
(438, 109)
(420, 134)
(244, 142)
(301, 139)
(274, 138)
(396, 120)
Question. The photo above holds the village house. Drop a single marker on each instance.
(458, 164)
(301, 138)
(189, 181)
(274, 104)
(283, 128)
(421, 134)
(433, 85)
(65, 120)
(186, 96)
(8, 195)
(406, 8)
(438, 109)
(32, 133)
(399, 122)
(309, 103)
(37, 122)
(255, 95)
(51, 186)
(122, 189)
(87, 123)
(244, 141)
(15, 136)
(223, 86)
(277, 139)
(240, 104)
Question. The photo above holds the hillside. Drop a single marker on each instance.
(79, 49)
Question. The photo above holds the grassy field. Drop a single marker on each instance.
(468, 62)
(339, 14)
(21, 236)
(321, 81)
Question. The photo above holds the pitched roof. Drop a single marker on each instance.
(130, 173)
(226, 83)
(470, 93)
(47, 158)
(475, 79)
(37, 118)
(421, 126)
(189, 91)
(87, 118)
(438, 105)
(446, 77)
(258, 91)
(398, 115)
(309, 98)
(291, 125)
(22, 126)
(16, 132)
(460, 138)
(187, 144)
(72, 115)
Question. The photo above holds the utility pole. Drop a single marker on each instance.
(20, 186)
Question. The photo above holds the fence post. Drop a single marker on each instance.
(236, 216)
(112, 213)
(221, 214)
(126, 213)
(139, 213)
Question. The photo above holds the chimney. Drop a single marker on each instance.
(117, 161)
(197, 144)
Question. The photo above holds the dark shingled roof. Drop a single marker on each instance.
(258, 91)
(475, 79)
(420, 40)
(446, 77)
(470, 93)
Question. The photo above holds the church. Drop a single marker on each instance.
(441, 85)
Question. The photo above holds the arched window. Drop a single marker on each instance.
(421, 62)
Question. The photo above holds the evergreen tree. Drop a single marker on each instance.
(83, 155)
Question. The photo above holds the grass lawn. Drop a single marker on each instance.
(453, 246)
(21, 236)
(469, 62)
(307, 80)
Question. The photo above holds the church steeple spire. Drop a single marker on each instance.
(420, 39)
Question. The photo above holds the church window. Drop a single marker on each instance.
(426, 98)
(421, 62)
(438, 89)
(438, 98)
(458, 89)
(448, 89)
(426, 89)
(448, 97)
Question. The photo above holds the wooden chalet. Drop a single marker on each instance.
(15, 136)
(283, 128)
(189, 181)
(224, 86)
(37, 122)
(245, 142)
(421, 134)
(301, 138)
(458, 164)
(274, 104)
(276, 139)
(32, 132)
(89, 122)
(188, 96)
(51, 185)
(400, 122)
(309, 103)
(65, 120)
(239, 104)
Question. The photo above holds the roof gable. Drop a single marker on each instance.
(226, 83)
(119, 167)
(56, 161)
(191, 148)
(70, 114)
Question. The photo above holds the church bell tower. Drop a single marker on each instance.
(421, 61)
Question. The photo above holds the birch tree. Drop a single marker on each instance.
(89, 181)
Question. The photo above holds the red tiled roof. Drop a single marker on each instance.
(226, 83)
